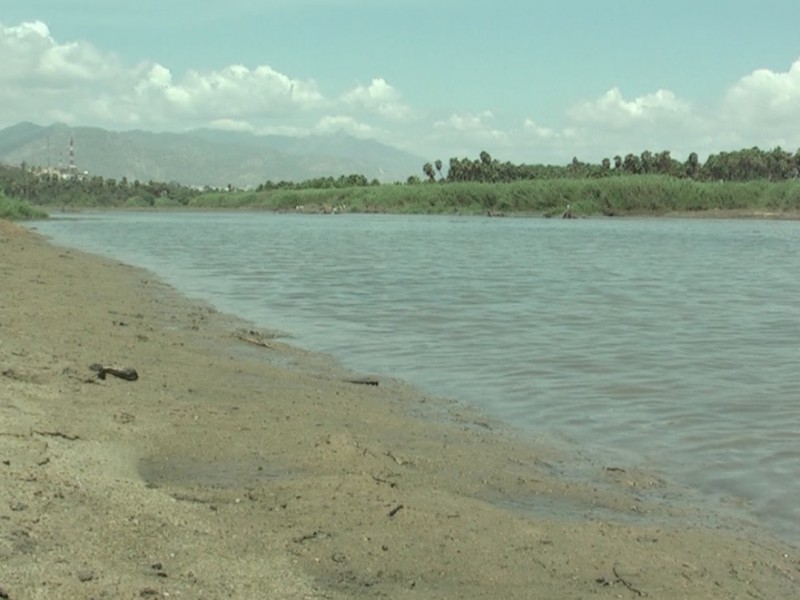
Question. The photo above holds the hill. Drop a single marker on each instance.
(204, 157)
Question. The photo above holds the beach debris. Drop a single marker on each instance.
(257, 338)
(386, 481)
(607, 581)
(395, 510)
(363, 381)
(124, 418)
(85, 575)
(125, 373)
(314, 535)
(58, 434)
(250, 339)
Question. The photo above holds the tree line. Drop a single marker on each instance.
(319, 183)
(74, 189)
(741, 165)
(38, 186)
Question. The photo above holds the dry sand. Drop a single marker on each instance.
(237, 466)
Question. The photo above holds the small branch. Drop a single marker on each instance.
(626, 583)
(58, 434)
(254, 341)
(389, 483)
(122, 372)
(363, 381)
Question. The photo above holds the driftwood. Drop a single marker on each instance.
(58, 434)
(363, 381)
(125, 373)
(253, 340)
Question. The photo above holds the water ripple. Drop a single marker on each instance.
(668, 344)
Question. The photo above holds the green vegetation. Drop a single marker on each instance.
(747, 181)
(72, 191)
(18, 210)
(625, 195)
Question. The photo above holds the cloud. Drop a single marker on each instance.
(762, 107)
(379, 97)
(45, 80)
(78, 83)
(478, 126)
(531, 128)
(765, 95)
(337, 123)
(31, 56)
(613, 110)
(234, 92)
(757, 110)
(232, 125)
(21, 48)
(612, 123)
(461, 134)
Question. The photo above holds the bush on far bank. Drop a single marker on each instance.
(19, 210)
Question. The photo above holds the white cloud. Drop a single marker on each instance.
(337, 123)
(40, 78)
(45, 80)
(157, 78)
(283, 129)
(379, 97)
(530, 127)
(233, 92)
(611, 123)
(75, 63)
(31, 56)
(764, 95)
(762, 107)
(478, 127)
(20, 49)
(613, 110)
(232, 125)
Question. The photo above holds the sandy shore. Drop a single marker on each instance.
(237, 466)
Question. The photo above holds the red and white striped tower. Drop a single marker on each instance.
(72, 168)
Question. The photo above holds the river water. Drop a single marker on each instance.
(667, 344)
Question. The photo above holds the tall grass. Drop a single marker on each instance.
(632, 195)
(19, 210)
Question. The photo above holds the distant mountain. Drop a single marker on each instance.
(204, 156)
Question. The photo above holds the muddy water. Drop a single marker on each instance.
(671, 345)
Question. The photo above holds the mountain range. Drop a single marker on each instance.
(204, 157)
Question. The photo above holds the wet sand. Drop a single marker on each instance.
(238, 466)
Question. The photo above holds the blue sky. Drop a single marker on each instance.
(528, 81)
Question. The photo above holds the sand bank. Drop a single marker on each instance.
(237, 466)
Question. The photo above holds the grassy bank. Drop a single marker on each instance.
(639, 195)
(19, 210)
(586, 196)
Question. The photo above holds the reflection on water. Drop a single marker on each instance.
(667, 344)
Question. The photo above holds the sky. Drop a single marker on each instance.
(525, 80)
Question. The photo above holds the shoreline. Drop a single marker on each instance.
(713, 213)
(239, 468)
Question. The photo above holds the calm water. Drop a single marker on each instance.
(672, 345)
